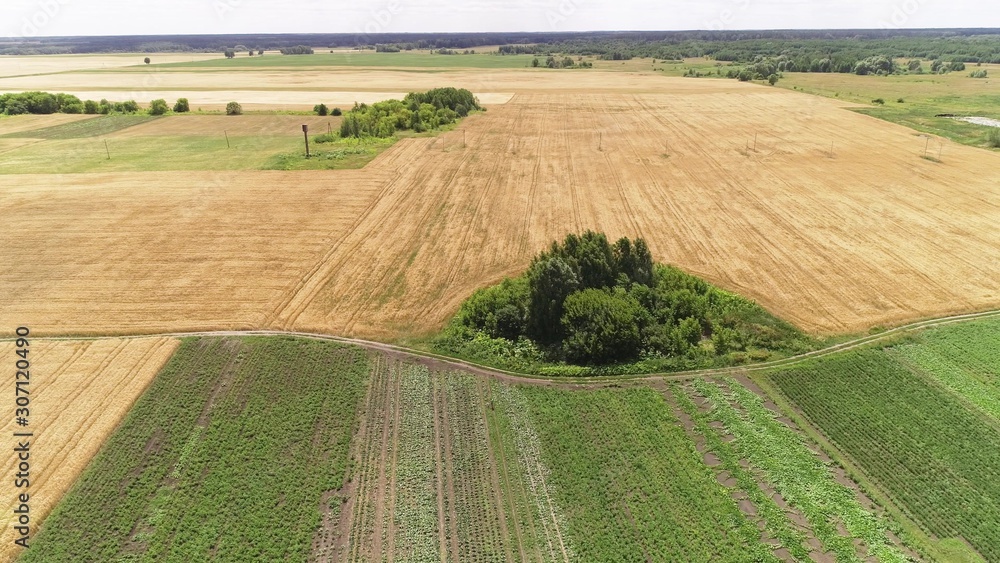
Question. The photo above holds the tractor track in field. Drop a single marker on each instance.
(445, 362)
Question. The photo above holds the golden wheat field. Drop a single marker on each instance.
(828, 218)
(79, 392)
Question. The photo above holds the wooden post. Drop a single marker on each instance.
(927, 144)
(305, 133)
(106, 149)
(226, 133)
(754, 142)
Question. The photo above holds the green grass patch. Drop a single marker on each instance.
(333, 155)
(362, 59)
(906, 418)
(224, 457)
(138, 154)
(99, 125)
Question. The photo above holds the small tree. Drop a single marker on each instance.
(90, 107)
(535, 63)
(234, 108)
(260, 52)
(229, 53)
(146, 60)
(182, 106)
(250, 52)
(158, 107)
(336, 112)
(772, 80)
(320, 109)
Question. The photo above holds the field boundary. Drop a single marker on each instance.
(571, 381)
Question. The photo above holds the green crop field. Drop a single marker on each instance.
(360, 59)
(93, 127)
(631, 483)
(920, 420)
(225, 457)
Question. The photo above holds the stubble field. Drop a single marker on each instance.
(828, 218)
(79, 392)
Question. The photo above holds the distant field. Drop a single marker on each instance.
(362, 58)
(920, 420)
(924, 97)
(79, 392)
(231, 455)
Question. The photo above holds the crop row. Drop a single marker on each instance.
(805, 482)
(631, 483)
(224, 457)
(938, 458)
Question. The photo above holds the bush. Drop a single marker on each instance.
(158, 107)
(602, 326)
(325, 138)
(993, 138)
(234, 108)
(320, 109)
(336, 112)
(182, 106)
(91, 107)
(878, 101)
(899, 100)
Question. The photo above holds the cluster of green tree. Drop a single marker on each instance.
(590, 302)
(160, 107)
(521, 50)
(392, 48)
(321, 109)
(979, 74)
(40, 103)
(418, 111)
(297, 50)
(565, 62)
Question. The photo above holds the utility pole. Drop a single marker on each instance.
(106, 149)
(226, 133)
(305, 133)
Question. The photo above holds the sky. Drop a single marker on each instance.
(34, 18)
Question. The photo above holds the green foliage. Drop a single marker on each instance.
(182, 106)
(336, 112)
(993, 138)
(42, 103)
(225, 457)
(878, 101)
(146, 60)
(875, 65)
(229, 53)
(602, 326)
(297, 50)
(234, 108)
(90, 107)
(593, 303)
(979, 74)
(926, 444)
(320, 109)
(418, 111)
(158, 107)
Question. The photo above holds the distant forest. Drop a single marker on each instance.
(842, 48)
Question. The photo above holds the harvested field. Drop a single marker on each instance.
(24, 123)
(38, 64)
(80, 391)
(870, 234)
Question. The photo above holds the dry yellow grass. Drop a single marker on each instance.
(244, 125)
(870, 235)
(80, 391)
(38, 64)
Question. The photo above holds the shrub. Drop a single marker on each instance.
(336, 112)
(158, 107)
(602, 326)
(320, 109)
(91, 107)
(182, 106)
(993, 138)
(234, 108)
(899, 100)
(878, 101)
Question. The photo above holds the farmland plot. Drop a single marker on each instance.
(235, 453)
(79, 392)
(923, 443)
